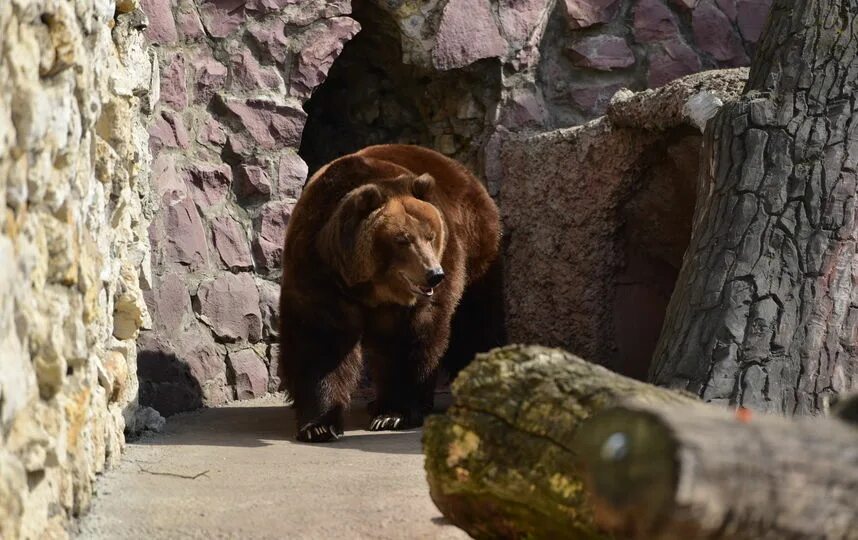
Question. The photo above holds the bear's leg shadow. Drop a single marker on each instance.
(321, 375)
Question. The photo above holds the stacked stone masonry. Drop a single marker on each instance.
(76, 85)
(236, 77)
(226, 173)
(604, 45)
(371, 95)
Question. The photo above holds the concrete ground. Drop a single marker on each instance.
(237, 472)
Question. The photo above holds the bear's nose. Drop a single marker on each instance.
(434, 277)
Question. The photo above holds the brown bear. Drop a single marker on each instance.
(379, 250)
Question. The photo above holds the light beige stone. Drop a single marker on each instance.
(50, 373)
(116, 375)
(125, 6)
(127, 316)
(74, 212)
(13, 484)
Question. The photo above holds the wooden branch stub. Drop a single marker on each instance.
(846, 409)
(661, 472)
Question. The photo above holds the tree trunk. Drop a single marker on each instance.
(765, 308)
(700, 472)
(499, 463)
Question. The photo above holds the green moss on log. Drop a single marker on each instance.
(500, 463)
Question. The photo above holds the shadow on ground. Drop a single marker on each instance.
(255, 426)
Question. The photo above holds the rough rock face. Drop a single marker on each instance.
(597, 218)
(604, 45)
(417, 74)
(570, 56)
(373, 95)
(76, 84)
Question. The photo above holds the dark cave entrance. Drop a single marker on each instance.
(371, 96)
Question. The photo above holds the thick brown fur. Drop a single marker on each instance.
(363, 244)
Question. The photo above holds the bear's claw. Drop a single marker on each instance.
(384, 422)
(318, 433)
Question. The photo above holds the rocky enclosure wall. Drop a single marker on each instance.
(76, 82)
(254, 90)
(226, 174)
(604, 45)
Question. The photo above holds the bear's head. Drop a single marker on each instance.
(388, 237)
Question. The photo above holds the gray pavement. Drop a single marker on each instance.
(236, 472)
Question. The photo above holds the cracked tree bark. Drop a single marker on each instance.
(661, 472)
(765, 309)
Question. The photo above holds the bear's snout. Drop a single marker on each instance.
(434, 277)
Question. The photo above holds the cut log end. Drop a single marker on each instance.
(631, 471)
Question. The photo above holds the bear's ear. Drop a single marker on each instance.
(363, 200)
(422, 186)
(343, 243)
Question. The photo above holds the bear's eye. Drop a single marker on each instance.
(403, 240)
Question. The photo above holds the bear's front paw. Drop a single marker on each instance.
(315, 433)
(393, 422)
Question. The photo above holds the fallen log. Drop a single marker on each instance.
(500, 462)
(698, 471)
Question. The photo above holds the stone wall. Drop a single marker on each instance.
(256, 93)
(75, 84)
(601, 46)
(234, 76)
(371, 96)
(562, 60)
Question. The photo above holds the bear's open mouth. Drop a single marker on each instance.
(419, 289)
